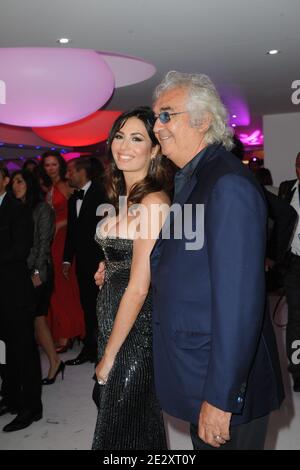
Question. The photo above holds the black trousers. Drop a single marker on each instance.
(21, 387)
(292, 289)
(249, 436)
(88, 297)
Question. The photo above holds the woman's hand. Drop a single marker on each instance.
(100, 274)
(66, 268)
(36, 280)
(59, 225)
(103, 369)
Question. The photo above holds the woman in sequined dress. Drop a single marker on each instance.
(129, 416)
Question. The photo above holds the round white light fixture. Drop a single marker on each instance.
(273, 52)
(63, 40)
(234, 116)
(233, 125)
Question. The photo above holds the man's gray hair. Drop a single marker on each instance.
(203, 101)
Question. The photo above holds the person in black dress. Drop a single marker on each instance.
(21, 387)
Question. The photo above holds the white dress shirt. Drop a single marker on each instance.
(80, 201)
(2, 197)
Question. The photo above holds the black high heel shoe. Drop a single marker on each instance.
(61, 368)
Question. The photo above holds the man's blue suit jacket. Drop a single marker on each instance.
(212, 341)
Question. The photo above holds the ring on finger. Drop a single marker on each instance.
(101, 381)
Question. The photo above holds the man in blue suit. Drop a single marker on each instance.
(215, 357)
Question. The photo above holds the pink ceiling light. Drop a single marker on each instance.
(51, 86)
(71, 155)
(87, 131)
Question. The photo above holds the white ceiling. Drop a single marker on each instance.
(226, 39)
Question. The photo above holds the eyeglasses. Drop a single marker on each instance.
(165, 116)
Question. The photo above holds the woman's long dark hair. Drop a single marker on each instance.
(62, 167)
(160, 172)
(33, 194)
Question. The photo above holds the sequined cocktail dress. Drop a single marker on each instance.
(129, 416)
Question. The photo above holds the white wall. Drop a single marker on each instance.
(281, 145)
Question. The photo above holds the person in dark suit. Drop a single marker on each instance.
(25, 188)
(215, 358)
(289, 192)
(287, 189)
(21, 386)
(80, 246)
(282, 217)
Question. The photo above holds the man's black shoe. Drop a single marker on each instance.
(296, 386)
(4, 408)
(80, 359)
(23, 420)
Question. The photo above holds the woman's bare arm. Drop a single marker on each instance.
(139, 282)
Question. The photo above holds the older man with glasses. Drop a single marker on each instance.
(216, 363)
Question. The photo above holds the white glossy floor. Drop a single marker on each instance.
(70, 415)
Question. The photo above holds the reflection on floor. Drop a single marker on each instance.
(70, 415)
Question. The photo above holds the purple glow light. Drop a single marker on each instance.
(236, 104)
(254, 138)
(127, 70)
